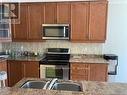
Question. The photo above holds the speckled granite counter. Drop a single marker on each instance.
(87, 58)
(2, 59)
(89, 88)
(18, 91)
(38, 58)
(74, 58)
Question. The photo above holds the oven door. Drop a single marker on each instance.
(54, 71)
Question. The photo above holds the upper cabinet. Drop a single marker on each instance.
(79, 21)
(35, 16)
(19, 31)
(88, 21)
(97, 21)
(63, 13)
(31, 19)
(57, 13)
(50, 13)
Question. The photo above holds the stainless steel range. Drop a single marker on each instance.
(55, 64)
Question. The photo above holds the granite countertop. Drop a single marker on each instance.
(25, 58)
(89, 88)
(2, 59)
(90, 58)
(83, 58)
(4, 56)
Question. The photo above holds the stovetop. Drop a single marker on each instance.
(56, 56)
(58, 51)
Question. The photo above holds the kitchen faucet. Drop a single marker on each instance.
(51, 83)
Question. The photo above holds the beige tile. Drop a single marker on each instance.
(78, 48)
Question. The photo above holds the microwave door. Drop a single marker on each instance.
(55, 32)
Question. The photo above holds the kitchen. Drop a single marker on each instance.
(39, 47)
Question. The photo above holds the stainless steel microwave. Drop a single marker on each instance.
(55, 31)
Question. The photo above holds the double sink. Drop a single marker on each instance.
(53, 84)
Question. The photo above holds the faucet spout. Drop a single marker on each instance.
(52, 82)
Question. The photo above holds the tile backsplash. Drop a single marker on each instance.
(76, 48)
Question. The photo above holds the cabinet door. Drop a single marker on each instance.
(80, 71)
(14, 72)
(63, 13)
(98, 72)
(3, 65)
(97, 21)
(79, 21)
(20, 30)
(50, 13)
(30, 69)
(35, 16)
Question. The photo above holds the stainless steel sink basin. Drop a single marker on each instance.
(34, 84)
(67, 86)
(53, 84)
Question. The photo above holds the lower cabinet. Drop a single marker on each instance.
(31, 69)
(92, 72)
(20, 69)
(14, 72)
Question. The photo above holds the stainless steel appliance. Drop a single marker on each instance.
(112, 67)
(5, 26)
(55, 64)
(5, 31)
(55, 31)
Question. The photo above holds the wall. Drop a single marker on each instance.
(117, 36)
(76, 48)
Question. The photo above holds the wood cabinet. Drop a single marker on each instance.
(79, 21)
(3, 65)
(36, 18)
(30, 69)
(57, 13)
(31, 19)
(88, 21)
(50, 13)
(97, 21)
(14, 72)
(98, 72)
(63, 13)
(80, 71)
(20, 69)
(92, 72)
(20, 30)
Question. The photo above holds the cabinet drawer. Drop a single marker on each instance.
(80, 65)
(79, 77)
(80, 72)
